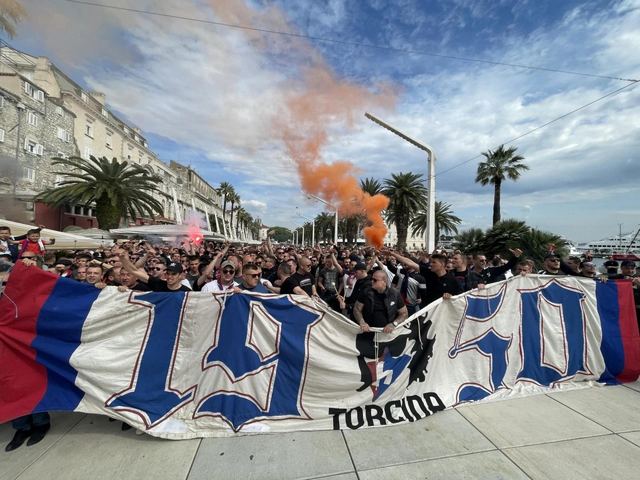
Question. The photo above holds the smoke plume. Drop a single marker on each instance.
(316, 104)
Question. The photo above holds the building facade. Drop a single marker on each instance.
(79, 122)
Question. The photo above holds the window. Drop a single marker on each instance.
(89, 130)
(88, 152)
(28, 88)
(1, 102)
(83, 97)
(32, 118)
(30, 146)
(59, 111)
(39, 95)
(108, 141)
(28, 174)
(1, 135)
(126, 130)
(104, 112)
(39, 149)
(28, 206)
(64, 135)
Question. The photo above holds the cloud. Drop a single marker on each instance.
(218, 92)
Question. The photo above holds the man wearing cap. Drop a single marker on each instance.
(612, 269)
(225, 281)
(174, 275)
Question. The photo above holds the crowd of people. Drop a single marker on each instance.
(374, 288)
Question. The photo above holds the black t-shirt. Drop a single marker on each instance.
(140, 287)
(302, 280)
(157, 285)
(438, 286)
(380, 317)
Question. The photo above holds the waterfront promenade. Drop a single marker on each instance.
(591, 433)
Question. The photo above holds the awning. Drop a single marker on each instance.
(64, 240)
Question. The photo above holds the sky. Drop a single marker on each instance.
(230, 101)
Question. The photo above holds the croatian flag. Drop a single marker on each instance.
(190, 364)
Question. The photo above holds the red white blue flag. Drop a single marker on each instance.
(187, 364)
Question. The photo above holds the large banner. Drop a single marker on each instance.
(184, 365)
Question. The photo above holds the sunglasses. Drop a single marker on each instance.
(228, 270)
(157, 269)
(253, 275)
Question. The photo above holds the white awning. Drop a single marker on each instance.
(64, 240)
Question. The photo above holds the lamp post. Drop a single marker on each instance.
(313, 227)
(335, 233)
(430, 232)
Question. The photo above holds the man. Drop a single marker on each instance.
(193, 273)
(34, 427)
(467, 279)
(552, 264)
(328, 281)
(94, 273)
(225, 282)
(494, 274)
(8, 243)
(440, 282)
(251, 280)
(379, 306)
(412, 286)
(174, 275)
(612, 268)
(300, 282)
(588, 269)
(128, 281)
(362, 282)
(524, 267)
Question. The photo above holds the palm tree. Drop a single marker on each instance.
(470, 241)
(233, 198)
(371, 186)
(324, 224)
(225, 190)
(407, 195)
(446, 221)
(499, 165)
(11, 12)
(116, 188)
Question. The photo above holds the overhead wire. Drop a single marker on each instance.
(347, 42)
(539, 127)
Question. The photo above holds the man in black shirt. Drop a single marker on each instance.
(301, 282)
(380, 306)
(363, 281)
(440, 282)
(494, 274)
(174, 275)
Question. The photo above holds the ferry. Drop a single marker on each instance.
(618, 246)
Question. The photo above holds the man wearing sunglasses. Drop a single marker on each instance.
(174, 275)
(224, 282)
(251, 279)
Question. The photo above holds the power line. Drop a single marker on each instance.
(529, 132)
(348, 43)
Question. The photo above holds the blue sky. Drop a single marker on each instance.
(212, 96)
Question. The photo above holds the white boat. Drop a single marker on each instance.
(621, 243)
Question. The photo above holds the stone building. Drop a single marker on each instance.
(93, 129)
(34, 128)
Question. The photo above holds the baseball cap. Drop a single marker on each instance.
(174, 267)
(361, 266)
(551, 255)
(628, 263)
(611, 263)
(227, 263)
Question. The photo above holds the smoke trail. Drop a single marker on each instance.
(315, 103)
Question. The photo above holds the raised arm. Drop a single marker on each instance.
(139, 273)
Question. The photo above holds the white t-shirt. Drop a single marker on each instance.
(215, 286)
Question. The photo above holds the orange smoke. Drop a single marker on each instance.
(316, 105)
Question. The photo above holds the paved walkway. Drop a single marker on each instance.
(592, 433)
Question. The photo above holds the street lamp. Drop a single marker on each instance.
(313, 227)
(335, 233)
(431, 181)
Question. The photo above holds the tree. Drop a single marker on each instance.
(407, 196)
(371, 186)
(116, 188)
(470, 241)
(325, 223)
(225, 189)
(446, 221)
(11, 12)
(499, 166)
(233, 198)
(280, 234)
